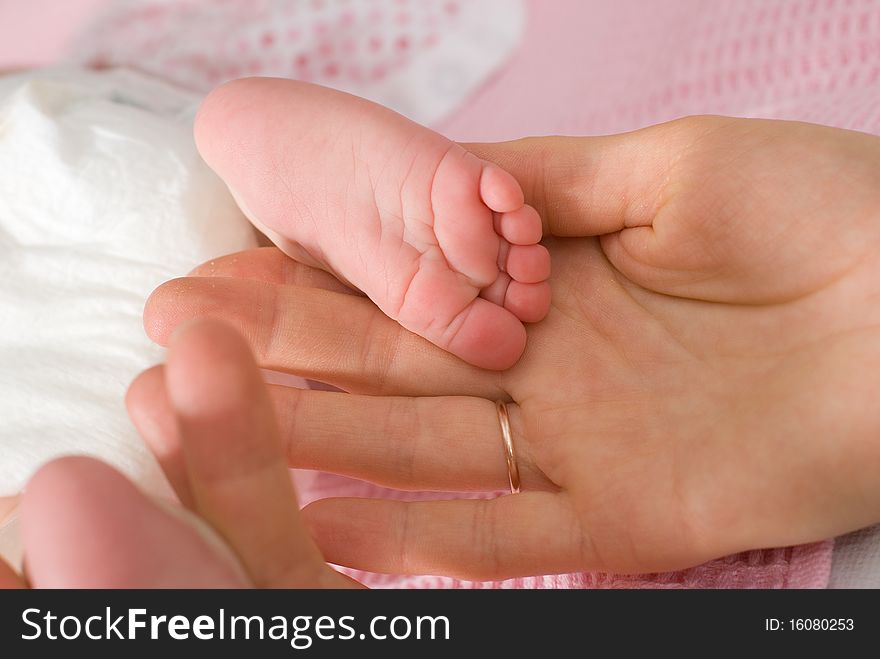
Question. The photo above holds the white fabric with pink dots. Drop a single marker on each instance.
(419, 57)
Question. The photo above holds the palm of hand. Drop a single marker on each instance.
(720, 331)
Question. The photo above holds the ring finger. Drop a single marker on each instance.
(443, 443)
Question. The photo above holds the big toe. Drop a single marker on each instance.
(488, 336)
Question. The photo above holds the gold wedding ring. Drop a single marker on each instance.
(512, 468)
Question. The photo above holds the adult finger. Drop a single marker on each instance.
(589, 186)
(524, 534)
(152, 414)
(235, 460)
(339, 339)
(271, 265)
(439, 443)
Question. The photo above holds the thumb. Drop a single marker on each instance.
(589, 186)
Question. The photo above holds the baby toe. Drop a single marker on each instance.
(521, 226)
(489, 336)
(528, 302)
(528, 264)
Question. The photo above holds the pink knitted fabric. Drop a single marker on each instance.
(592, 67)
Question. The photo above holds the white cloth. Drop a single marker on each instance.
(856, 562)
(103, 196)
(421, 58)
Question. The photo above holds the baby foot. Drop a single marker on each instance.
(440, 240)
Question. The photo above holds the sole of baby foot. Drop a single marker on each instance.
(440, 240)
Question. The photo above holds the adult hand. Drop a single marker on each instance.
(705, 383)
(84, 525)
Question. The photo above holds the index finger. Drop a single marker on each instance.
(235, 461)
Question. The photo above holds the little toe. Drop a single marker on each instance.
(499, 190)
(528, 302)
(521, 226)
(528, 264)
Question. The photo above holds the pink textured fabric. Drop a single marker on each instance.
(39, 32)
(420, 57)
(594, 67)
(200, 46)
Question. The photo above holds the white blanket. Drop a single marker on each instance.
(102, 198)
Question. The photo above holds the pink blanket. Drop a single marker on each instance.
(592, 66)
